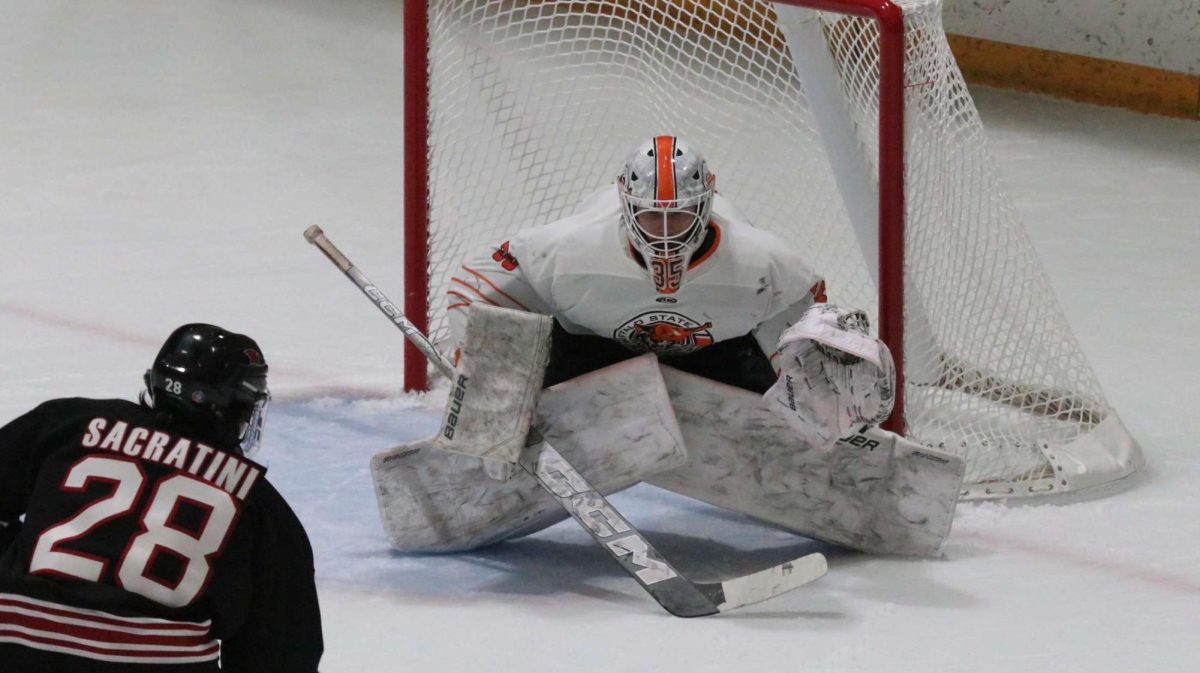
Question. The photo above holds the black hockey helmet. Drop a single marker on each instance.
(212, 379)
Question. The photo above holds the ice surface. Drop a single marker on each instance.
(160, 161)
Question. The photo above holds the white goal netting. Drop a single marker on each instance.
(535, 103)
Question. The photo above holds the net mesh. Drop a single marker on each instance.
(534, 104)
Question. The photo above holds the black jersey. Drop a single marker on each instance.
(143, 544)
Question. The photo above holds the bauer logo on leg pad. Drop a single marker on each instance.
(503, 360)
(861, 441)
(455, 406)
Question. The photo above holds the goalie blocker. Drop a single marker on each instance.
(500, 370)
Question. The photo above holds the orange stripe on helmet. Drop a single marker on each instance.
(664, 152)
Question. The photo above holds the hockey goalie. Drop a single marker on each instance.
(656, 335)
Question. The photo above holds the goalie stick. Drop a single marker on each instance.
(611, 531)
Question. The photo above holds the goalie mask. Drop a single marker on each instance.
(666, 197)
(213, 381)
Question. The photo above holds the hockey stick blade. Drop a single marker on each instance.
(613, 532)
(608, 528)
(764, 584)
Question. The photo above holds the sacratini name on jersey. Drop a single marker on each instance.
(223, 470)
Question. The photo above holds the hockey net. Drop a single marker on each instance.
(529, 105)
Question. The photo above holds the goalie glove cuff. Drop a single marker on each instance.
(837, 329)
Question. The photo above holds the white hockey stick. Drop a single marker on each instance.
(676, 593)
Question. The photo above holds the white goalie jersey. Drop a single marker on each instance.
(582, 271)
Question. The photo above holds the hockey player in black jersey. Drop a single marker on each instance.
(142, 537)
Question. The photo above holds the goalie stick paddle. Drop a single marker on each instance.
(610, 530)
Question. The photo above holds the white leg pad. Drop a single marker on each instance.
(875, 491)
(615, 425)
(499, 375)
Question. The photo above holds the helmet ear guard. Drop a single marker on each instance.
(213, 380)
(666, 195)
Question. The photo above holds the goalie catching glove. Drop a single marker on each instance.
(833, 376)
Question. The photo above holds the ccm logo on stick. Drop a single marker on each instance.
(609, 527)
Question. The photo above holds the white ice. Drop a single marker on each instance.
(159, 161)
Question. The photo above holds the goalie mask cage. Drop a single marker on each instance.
(831, 123)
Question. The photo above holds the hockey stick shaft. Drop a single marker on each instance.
(608, 528)
(317, 237)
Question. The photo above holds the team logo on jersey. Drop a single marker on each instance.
(664, 332)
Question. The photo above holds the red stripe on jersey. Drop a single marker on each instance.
(57, 609)
(502, 293)
(142, 656)
(474, 290)
(99, 635)
(664, 152)
(34, 624)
